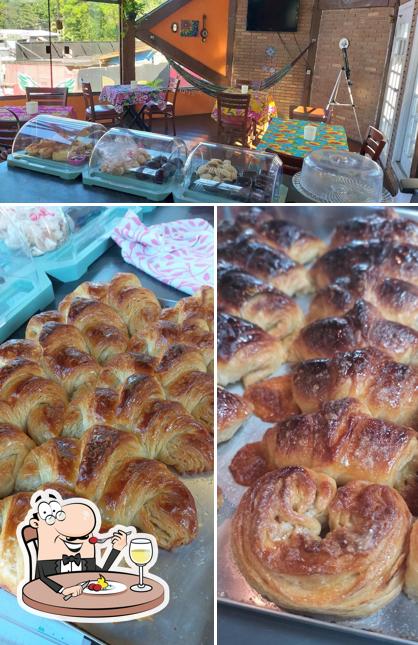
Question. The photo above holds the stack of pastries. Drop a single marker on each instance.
(107, 398)
(327, 523)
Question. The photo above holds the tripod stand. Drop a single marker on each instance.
(346, 72)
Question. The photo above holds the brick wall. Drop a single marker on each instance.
(250, 59)
(368, 31)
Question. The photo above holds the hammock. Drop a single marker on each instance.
(213, 90)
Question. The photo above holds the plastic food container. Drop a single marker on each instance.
(55, 145)
(140, 163)
(220, 173)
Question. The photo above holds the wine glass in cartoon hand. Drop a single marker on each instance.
(140, 552)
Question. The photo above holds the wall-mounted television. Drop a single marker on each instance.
(272, 15)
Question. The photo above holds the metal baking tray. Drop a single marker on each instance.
(397, 622)
(188, 570)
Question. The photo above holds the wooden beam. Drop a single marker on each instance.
(355, 4)
(310, 63)
(231, 39)
(414, 165)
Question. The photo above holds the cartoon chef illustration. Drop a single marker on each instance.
(65, 539)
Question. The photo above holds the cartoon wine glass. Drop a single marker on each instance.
(140, 552)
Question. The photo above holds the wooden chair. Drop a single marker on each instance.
(9, 127)
(56, 96)
(308, 113)
(237, 127)
(104, 114)
(291, 165)
(373, 144)
(167, 110)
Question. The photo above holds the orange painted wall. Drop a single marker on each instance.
(189, 102)
(213, 52)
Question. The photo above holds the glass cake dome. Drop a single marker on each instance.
(219, 173)
(55, 145)
(340, 176)
(140, 163)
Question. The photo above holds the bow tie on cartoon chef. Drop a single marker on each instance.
(65, 539)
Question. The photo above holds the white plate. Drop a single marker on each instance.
(114, 587)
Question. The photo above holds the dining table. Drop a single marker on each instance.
(262, 109)
(130, 101)
(286, 136)
(22, 115)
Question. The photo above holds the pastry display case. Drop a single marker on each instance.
(55, 145)
(141, 163)
(24, 287)
(218, 173)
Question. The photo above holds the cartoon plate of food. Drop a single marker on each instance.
(102, 585)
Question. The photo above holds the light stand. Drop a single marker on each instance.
(345, 70)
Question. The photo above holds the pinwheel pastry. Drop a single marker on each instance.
(245, 351)
(280, 234)
(384, 226)
(243, 295)
(268, 264)
(388, 389)
(395, 299)
(233, 411)
(309, 547)
(382, 259)
(361, 326)
(341, 440)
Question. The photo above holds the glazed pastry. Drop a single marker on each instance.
(382, 259)
(395, 299)
(138, 307)
(388, 389)
(233, 411)
(362, 326)
(15, 445)
(243, 295)
(309, 547)
(218, 170)
(381, 226)
(245, 351)
(267, 264)
(341, 440)
(411, 577)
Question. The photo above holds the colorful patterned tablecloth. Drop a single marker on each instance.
(125, 96)
(262, 108)
(287, 136)
(20, 111)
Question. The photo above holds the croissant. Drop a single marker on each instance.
(245, 296)
(233, 411)
(309, 547)
(267, 264)
(411, 578)
(106, 467)
(383, 259)
(19, 349)
(395, 299)
(361, 326)
(138, 307)
(245, 351)
(15, 446)
(388, 389)
(341, 440)
(282, 235)
(387, 227)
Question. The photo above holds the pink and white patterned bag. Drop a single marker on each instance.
(178, 253)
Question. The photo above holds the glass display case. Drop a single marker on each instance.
(218, 173)
(55, 145)
(24, 288)
(141, 163)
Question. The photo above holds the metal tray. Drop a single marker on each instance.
(188, 570)
(398, 622)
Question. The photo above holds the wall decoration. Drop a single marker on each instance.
(174, 27)
(204, 32)
(189, 28)
(271, 51)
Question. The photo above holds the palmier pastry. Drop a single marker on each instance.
(381, 226)
(341, 440)
(309, 547)
(383, 259)
(267, 264)
(361, 326)
(243, 295)
(395, 299)
(233, 411)
(388, 389)
(245, 351)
